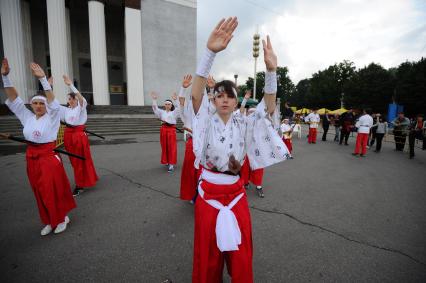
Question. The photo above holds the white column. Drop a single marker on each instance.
(68, 27)
(13, 43)
(58, 46)
(28, 45)
(98, 54)
(133, 33)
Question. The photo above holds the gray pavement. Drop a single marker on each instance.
(327, 217)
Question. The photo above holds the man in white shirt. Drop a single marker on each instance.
(364, 124)
(313, 120)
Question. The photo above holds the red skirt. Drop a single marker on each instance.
(208, 259)
(189, 176)
(289, 144)
(49, 183)
(168, 144)
(248, 175)
(76, 141)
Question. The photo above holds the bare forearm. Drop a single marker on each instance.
(9, 89)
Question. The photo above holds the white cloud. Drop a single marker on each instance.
(311, 35)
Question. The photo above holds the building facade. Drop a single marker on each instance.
(116, 51)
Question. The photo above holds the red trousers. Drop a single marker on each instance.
(361, 143)
(49, 183)
(256, 177)
(289, 144)
(312, 138)
(208, 259)
(245, 171)
(168, 144)
(189, 176)
(76, 141)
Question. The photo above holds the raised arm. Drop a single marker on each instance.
(244, 102)
(155, 108)
(177, 110)
(39, 73)
(10, 91)
(218, 41)
(270, 75)
(69, 83)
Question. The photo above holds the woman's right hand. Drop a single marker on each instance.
(5, 69)
(154, 95)
(211, 82)
(222, 34)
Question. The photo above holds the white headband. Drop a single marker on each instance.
(167, 102)
(39, 97)
(222, 89)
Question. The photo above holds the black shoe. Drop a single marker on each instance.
(354, 154)
(377, 151)
(411, 156)
(361, 155)
(246, 186)
(346, 144)
(260, 192)
(77, 191)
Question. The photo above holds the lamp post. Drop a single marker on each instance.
(236, 77)
(342, 104)
(256, 42)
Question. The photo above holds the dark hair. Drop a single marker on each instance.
(228, 87)
(173, 107)
(419, 115)
(368, 111)
(72, 95)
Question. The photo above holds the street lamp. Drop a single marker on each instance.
(256, 42)
(236, 77)
(341, 100)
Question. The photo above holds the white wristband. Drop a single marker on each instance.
(182, 91)
(6, 81)
(205, 64)
(270, 82)
(73, 88)
(45, 84)
(243, 103)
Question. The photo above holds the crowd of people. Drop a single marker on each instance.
(226, 148)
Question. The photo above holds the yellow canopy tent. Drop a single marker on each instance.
(294, 108)
(322, 111)
(338, 111)
(302, 111)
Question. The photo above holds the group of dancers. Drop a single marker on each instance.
(45, 169)
(226, 148)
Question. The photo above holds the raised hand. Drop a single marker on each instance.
(187, 81)
(37, 70)
(222, 34)
(154, 95)
(211, 82)
(269, 55)
(233, 165)
(247, 95)
(67, 80)
(5, 69)
(174, 96)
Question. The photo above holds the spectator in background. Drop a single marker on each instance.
(381, 129)
(347, 123)
(372, 136)
(401, 124)
(336, 124)
(325, 125)
(417, 131)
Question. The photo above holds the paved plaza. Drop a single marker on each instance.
(327, 217)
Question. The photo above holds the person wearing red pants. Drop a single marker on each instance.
(76, 140)
(168, 117)
(364, 125)
(45, 170)
(222, 232)
(189, 175)
(287, 132)
(313, 120)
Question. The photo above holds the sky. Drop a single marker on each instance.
(310, 35)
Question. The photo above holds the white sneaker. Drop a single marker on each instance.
(46, 230)
(62, 226)
(171, 168)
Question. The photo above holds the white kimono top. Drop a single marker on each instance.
(254, 135)
(364, 124)
(313, 120)
(74, 116)
(168, 117)
(41, 130)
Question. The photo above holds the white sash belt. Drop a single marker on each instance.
(228, 234)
